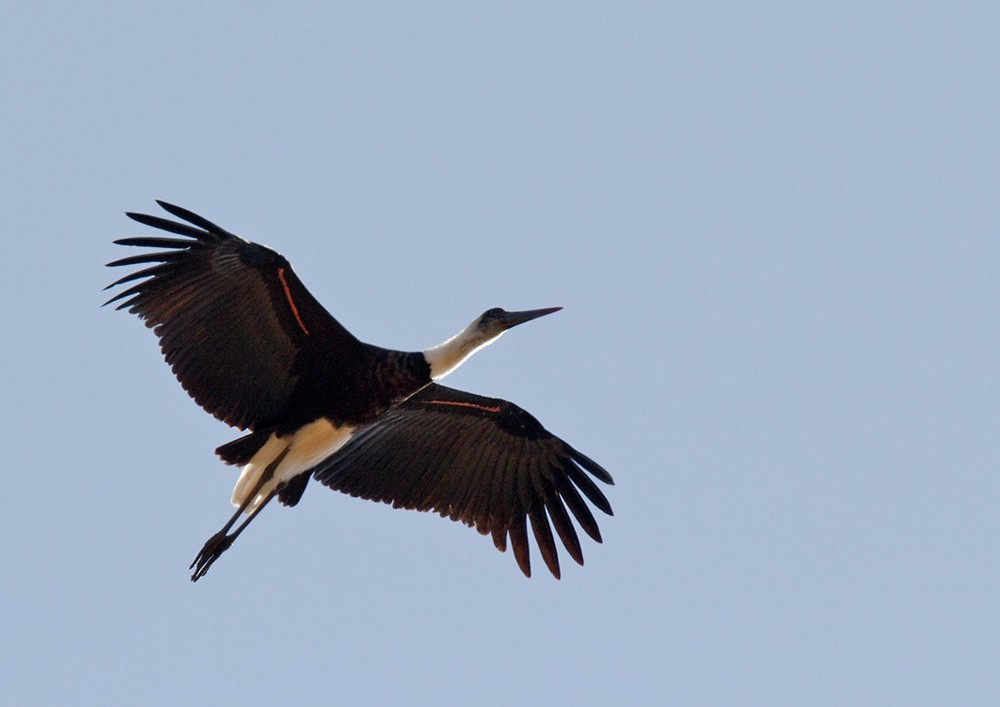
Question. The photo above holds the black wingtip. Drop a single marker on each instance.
(518, 533)
(191, 217)
(172, 208)
(595, 469)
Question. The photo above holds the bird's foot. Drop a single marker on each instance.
(212, 550)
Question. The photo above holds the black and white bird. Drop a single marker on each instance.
(251, 345)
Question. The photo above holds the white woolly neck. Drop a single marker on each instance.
(445, 358)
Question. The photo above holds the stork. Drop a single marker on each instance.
(251, 346)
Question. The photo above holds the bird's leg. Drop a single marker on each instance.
(220, 542)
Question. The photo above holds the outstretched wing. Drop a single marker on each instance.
(231, 316)
(482, 461)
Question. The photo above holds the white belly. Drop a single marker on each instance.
(307, 447)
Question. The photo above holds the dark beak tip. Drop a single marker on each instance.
(515, 318)
(542, 312)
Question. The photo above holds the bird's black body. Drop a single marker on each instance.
(253, 347)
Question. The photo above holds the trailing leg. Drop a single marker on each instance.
(222, 540)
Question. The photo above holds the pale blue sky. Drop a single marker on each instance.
(774, 230)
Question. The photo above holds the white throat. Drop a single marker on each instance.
(445, 358)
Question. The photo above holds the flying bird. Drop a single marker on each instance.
(254, 348)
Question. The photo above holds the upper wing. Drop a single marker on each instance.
(231, 316)
(482, 461)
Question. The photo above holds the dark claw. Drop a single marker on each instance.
(212, 550)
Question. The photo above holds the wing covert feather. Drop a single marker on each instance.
(482, 461)
(231, 316)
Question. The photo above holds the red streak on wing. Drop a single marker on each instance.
(467, 405)
(291, 302)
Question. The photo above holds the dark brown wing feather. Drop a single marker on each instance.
(482, 461)
(231, 316)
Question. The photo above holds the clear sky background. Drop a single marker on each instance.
(774, 229)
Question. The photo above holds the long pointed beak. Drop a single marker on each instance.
(512, 319)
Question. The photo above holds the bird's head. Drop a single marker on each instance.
(489, 325)
(494, 322)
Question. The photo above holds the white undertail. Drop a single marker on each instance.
(307, 447)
